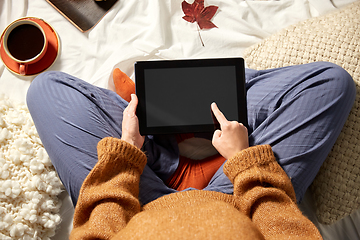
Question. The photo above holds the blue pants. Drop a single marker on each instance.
(298, 110)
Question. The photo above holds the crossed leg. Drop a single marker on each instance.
(299, 111)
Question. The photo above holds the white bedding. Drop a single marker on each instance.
(154, 29)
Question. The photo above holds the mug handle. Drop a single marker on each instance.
(22, 69)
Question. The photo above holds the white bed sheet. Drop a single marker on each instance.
(154, 29)
(140, 30)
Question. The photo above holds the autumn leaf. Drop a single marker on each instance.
(197, 12)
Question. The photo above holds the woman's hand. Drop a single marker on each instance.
(233, 136)
(130, 124)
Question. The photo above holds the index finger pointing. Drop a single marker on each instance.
(218, 114)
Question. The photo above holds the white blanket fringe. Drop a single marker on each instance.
(29, 185)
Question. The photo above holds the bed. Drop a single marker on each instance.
(143, 30)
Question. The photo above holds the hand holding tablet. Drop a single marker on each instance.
(130, 124)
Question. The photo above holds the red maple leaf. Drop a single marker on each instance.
(196, 12)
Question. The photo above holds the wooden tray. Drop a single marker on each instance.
(84, 14)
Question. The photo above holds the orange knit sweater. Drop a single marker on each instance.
(263, 205)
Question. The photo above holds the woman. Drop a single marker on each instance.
(294, 115)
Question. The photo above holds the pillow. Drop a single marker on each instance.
(334, 37)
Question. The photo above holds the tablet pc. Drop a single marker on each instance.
(175, 95)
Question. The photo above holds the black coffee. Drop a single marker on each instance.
(25, 42)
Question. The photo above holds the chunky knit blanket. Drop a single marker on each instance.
(29, 208)
(334, 37)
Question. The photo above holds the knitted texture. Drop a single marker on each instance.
(334, 37)
(29, 207)
(262, 207)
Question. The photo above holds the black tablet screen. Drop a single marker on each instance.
(178, 99)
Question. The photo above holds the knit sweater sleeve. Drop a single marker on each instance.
(267, 196)
(108, 198)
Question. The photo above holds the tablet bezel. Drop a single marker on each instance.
(140, 68)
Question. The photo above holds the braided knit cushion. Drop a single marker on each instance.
(334, 37)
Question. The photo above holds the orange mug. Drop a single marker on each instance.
(24, 42)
